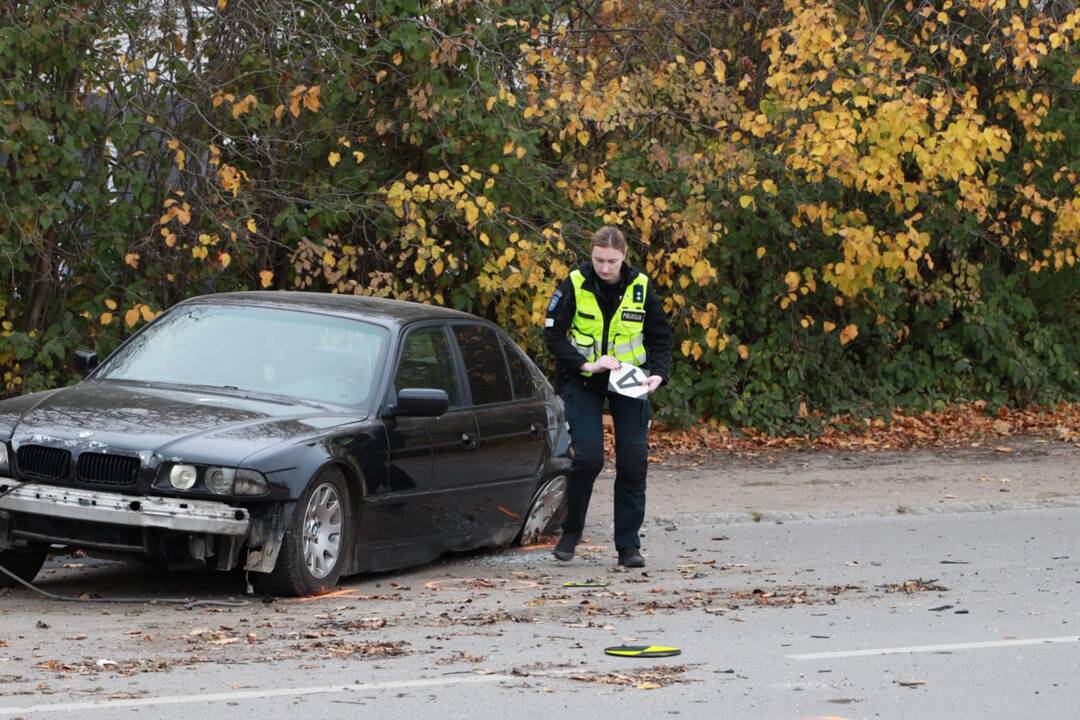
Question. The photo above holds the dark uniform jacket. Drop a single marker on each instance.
(560, 316)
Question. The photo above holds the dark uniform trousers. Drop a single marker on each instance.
(584, 413)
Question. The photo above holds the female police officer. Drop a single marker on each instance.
(603, 315)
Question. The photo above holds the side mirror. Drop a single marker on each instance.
(422, 402)
(85, 361)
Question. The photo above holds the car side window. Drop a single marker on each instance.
(520, 375)
(426, 362)
(484, 364)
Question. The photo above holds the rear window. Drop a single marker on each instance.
(521, 377)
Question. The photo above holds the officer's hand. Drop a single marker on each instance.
(652, 382)
(603, 364)
(607, 362)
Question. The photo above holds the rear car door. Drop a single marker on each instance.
(512, 423)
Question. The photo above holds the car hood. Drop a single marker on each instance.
(173, 423)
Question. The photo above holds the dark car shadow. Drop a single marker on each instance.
(76, 575)
(86, 577)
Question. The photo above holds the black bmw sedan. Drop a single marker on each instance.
(298, 436)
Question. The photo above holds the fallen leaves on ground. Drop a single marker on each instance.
(910, 683)
(493, 618)
(650, 678)
(460, 657)
(367, 623)
(224, 635)
(773, 597)
(960, 425)
(914, 586)
(716, 602)
(481, 584)
(117, 667)
(349, 649)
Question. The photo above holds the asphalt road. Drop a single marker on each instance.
(936, 615)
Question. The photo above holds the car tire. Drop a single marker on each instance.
(546, 511)
(317, 541)
(23, 562)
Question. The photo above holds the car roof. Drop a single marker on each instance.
(383, 311)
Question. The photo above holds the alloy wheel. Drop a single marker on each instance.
(323, 531)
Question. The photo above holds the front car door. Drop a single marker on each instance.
(419, 444)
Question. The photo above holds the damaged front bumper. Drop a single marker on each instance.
(192, 516)
(209, 532)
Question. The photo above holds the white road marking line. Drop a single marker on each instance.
(251, 694)
(935, 648)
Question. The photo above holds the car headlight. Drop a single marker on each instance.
(183, 477)
(220, 480)
(250, 482)
(227, 481)
(4, 464)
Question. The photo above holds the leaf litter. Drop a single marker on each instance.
(650, 678)
(965, 424)
(914, 586)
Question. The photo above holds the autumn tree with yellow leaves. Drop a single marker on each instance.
(847, 206)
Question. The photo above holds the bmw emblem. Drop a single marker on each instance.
(85, 434)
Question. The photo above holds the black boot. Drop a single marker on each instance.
(564, 549)
(631, 557)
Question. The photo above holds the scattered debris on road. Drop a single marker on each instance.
(916, 585)
(651, 678)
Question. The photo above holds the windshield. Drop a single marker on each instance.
(261, 350)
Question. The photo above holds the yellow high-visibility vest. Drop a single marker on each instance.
(625, 333)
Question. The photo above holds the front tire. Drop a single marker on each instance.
(316, 542)
(23, 562)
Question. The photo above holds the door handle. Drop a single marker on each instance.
(537, 430)
(468, 441)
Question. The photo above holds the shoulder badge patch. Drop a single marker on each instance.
(554, 301)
